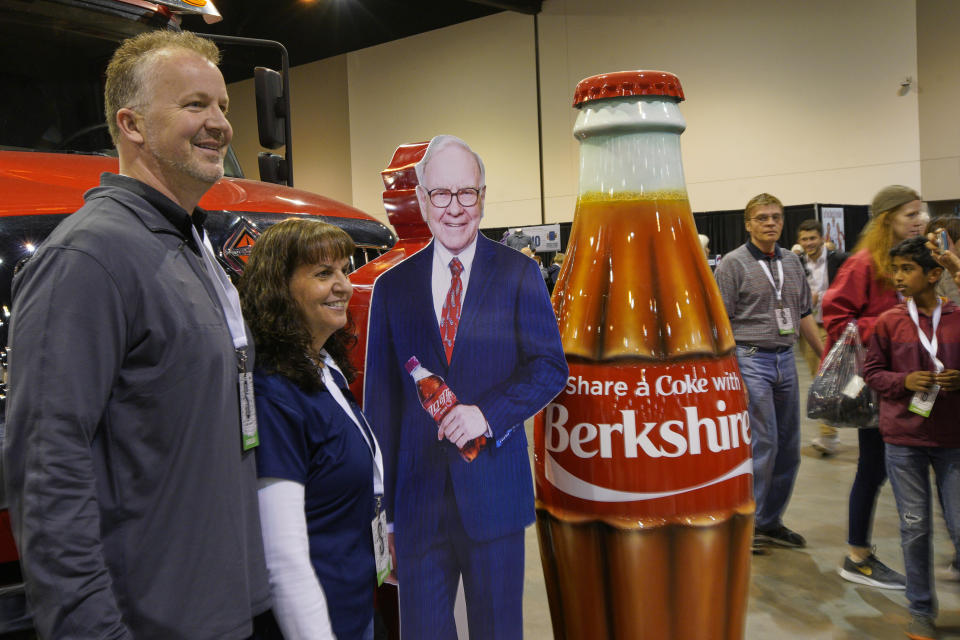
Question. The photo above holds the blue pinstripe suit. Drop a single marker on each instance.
(508, 361)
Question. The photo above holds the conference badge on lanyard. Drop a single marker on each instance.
(922, 401)
(782, 313)
(229, 300)
(381, 549)
(784, 321)
(248, 407)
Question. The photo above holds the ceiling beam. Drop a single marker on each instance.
(531, 7)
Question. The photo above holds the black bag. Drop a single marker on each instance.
(838, 395)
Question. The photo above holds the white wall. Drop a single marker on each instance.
(796, 98)
(938, 50)
(320, 118)
(475, 80)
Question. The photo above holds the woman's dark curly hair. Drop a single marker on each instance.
(279, 330)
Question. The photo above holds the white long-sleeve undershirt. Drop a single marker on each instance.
(299, 604)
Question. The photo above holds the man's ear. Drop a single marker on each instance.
(130, 125)
(934, 274)
(422, 200)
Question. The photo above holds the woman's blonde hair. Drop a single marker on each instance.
(877, 236)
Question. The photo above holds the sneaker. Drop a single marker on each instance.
(949, 573)
(826, 446)
(921, 628)
(872, 573)
(779, 536)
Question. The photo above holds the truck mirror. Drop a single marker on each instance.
(273, 168)
(271, 108)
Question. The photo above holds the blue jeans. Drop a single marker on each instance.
(909, 471)
(774, 409)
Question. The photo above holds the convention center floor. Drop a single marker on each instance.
(797, 593)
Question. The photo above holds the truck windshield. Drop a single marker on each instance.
(52, 79)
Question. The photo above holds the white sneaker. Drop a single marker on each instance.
(826, 446)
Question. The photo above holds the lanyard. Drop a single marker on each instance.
(371, 440)
(766, 270)
(929, 345)
(226, 293)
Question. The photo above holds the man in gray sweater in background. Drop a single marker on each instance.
(767, 298)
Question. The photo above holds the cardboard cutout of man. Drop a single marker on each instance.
(477, 313)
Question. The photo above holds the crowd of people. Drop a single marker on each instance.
(891, 288)
(197, 466)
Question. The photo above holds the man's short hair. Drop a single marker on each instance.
(810, 224)
(127, 68)
(760, 200)
(915, 249)
(440, 142)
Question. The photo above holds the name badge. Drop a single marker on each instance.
(248, 412)
(381, 550)
(922, 401)
(784, 321)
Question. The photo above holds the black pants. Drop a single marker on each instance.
(871, 472)
(265, 627)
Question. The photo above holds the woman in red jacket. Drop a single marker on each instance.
(862, 291)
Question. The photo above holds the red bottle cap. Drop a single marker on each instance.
(412, 364)
(621, 84)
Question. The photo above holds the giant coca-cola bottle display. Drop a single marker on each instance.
(643, 468)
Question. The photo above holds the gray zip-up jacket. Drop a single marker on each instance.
(133, 505)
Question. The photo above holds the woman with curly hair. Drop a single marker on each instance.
(862, 291)
(318, 461)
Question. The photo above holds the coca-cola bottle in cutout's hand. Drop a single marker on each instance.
(437, 399)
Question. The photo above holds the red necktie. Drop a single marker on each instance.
(450, 316)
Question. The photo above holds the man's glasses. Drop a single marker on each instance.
(467, 197)
(764, 217)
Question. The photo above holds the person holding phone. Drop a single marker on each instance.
(946, 230)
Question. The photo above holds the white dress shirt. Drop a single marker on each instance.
(817, 279)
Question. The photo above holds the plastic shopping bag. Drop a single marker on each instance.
(838, 395)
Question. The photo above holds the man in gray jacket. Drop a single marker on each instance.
(128, 453)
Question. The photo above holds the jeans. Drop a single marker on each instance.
(774, 409)
(871, 472)
(909, 472)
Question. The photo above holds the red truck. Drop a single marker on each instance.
(54, 144)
